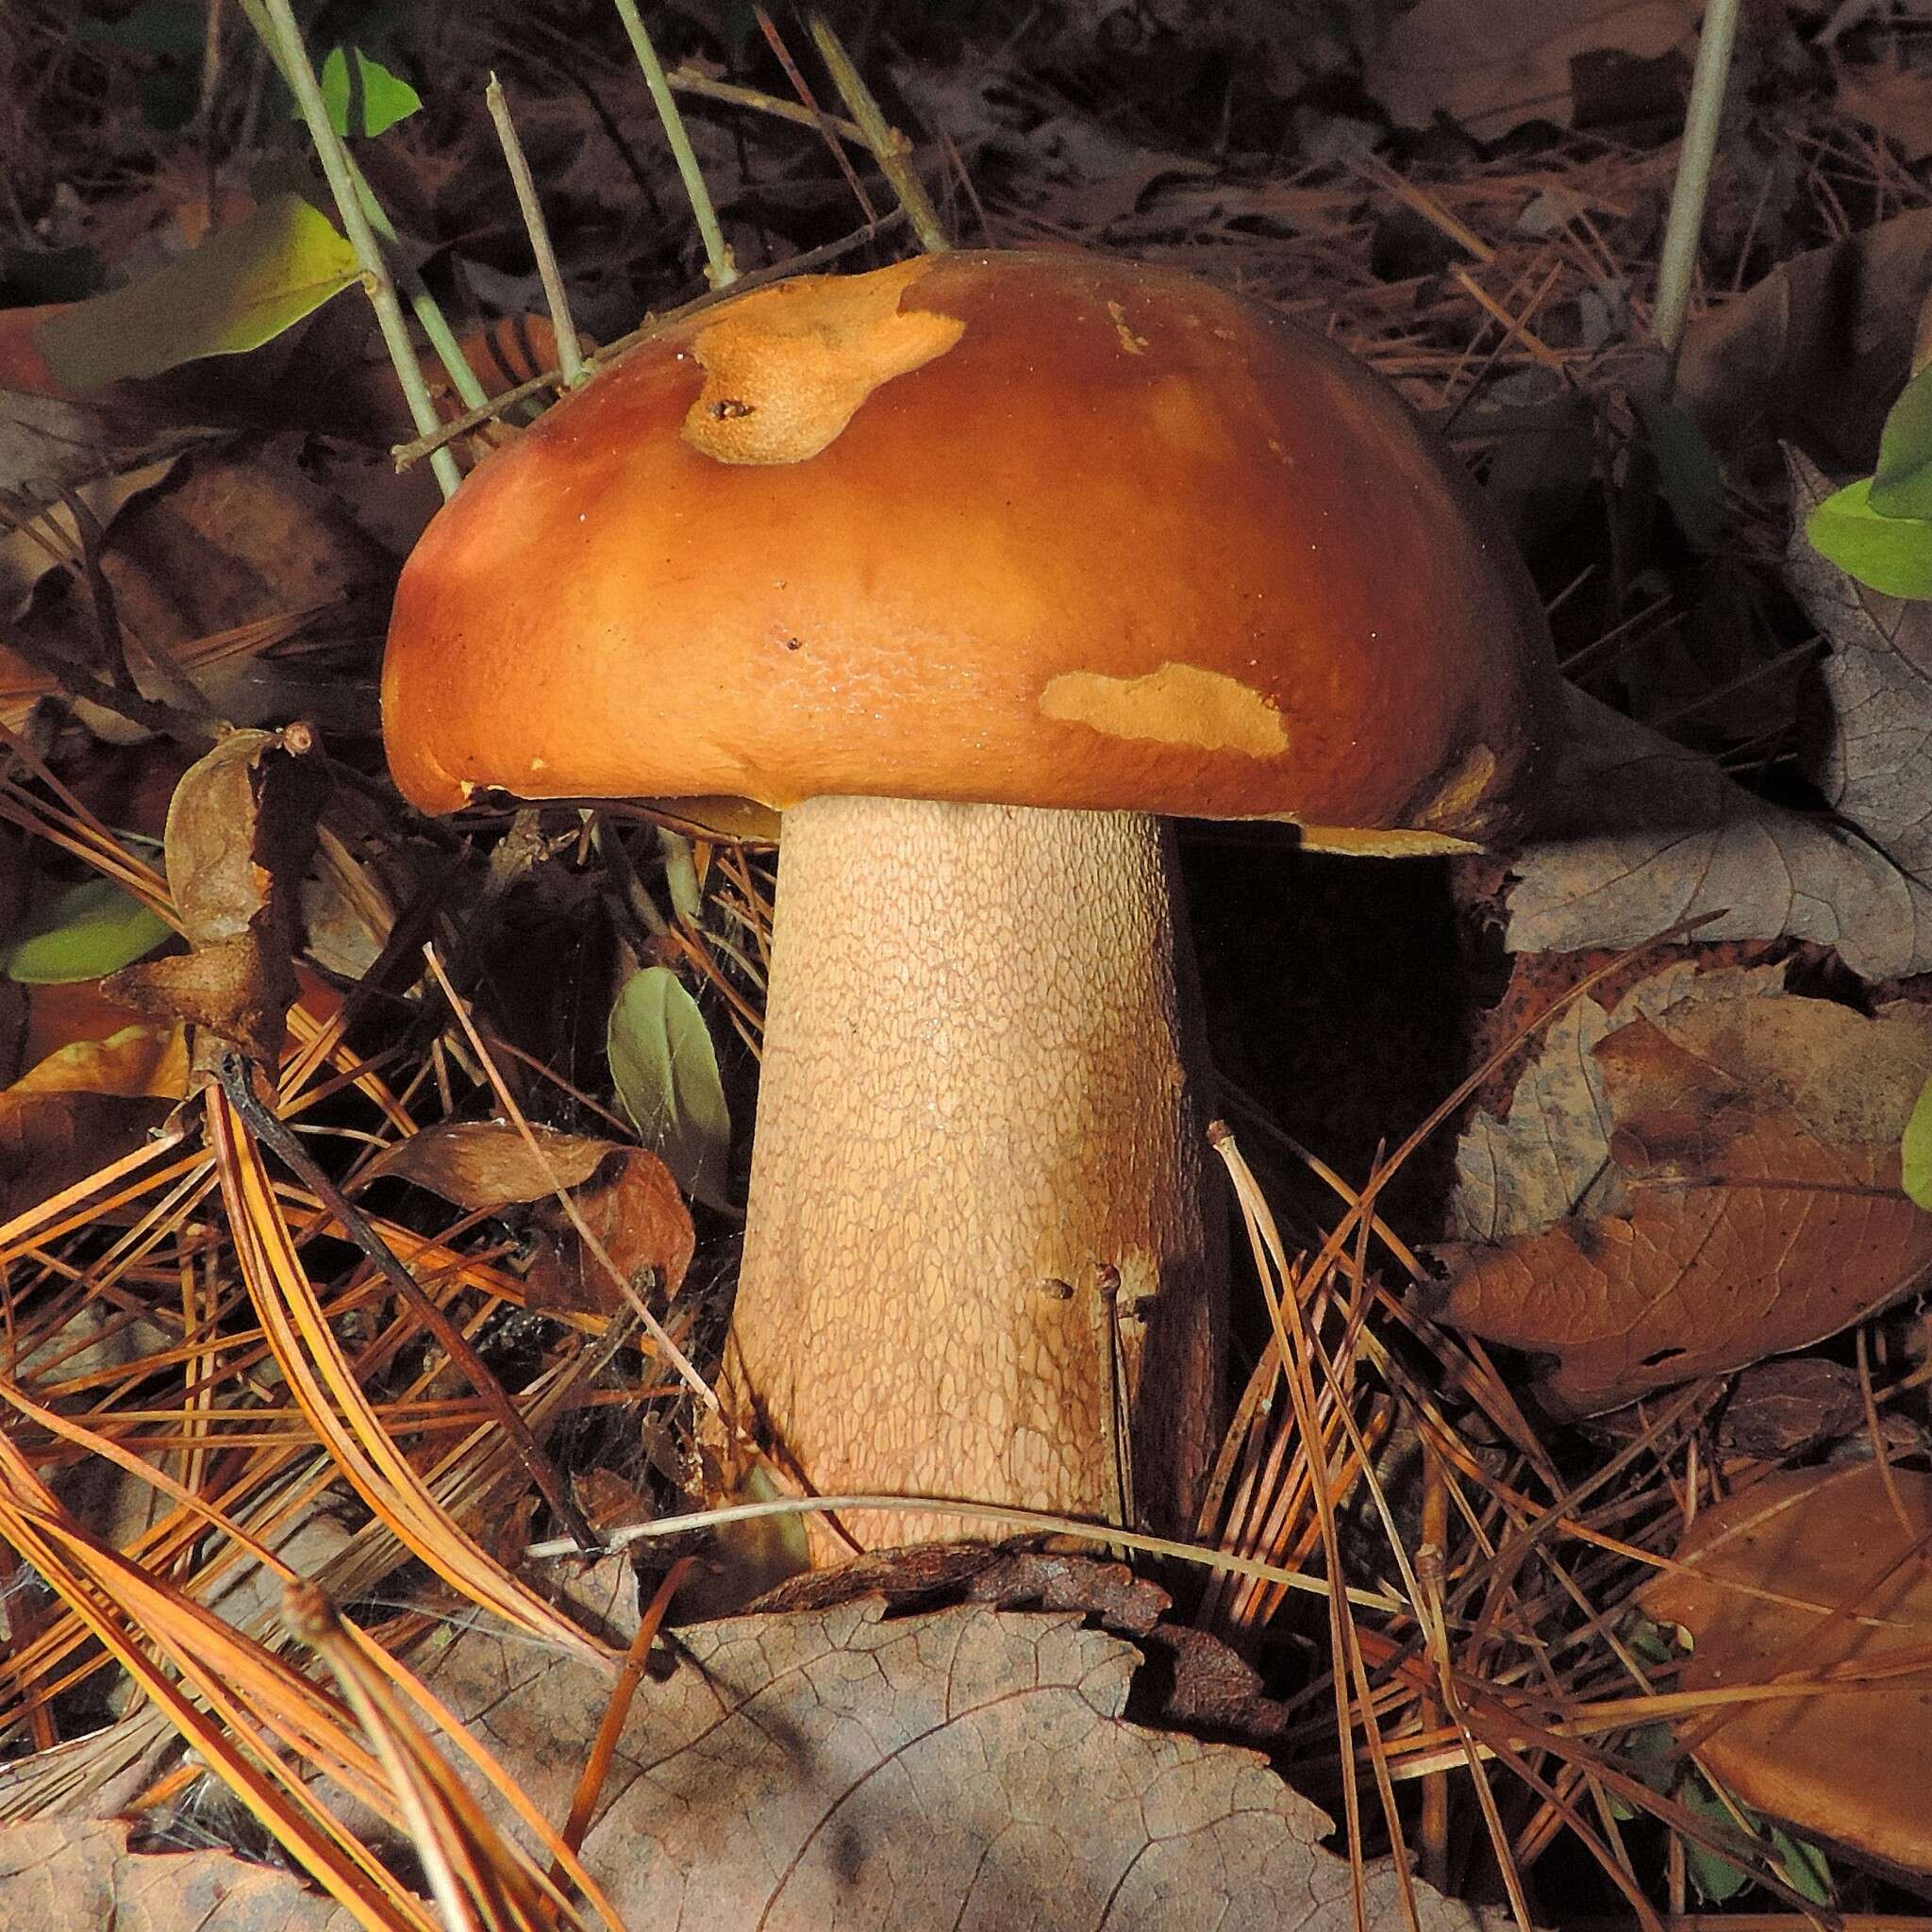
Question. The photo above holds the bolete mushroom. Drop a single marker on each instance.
(972, 566)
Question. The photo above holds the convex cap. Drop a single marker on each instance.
(1027, 528)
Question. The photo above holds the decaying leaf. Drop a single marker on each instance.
(1643, 833)
(27, 555)
(1750, 1201)
(138, 1062)
(1873, 754)
(240, 830)
(1494, 68)
(1778, 1410)
(1817, 351)
(966, 1766)
(48, 1142)
(487, 1165)
(1811, 1576)
(82, 1872)
(1526, 1172)
(626, 1197)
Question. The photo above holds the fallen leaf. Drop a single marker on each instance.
(48, 1142)
(1896, 102)
(666, 1072)
(487, 1165)
(1494, 68)
(1817, 351)
(138, 1063)
(240, 289)
(82, 1872)
(95, 928)
(28, 553)
(1524, 1172)
(1837, 1585)
(967, 1766)
(1754, 1206)
(639, 1217)
(1871, 748)
(1780, 1410)
(626, 1197)
(240, 831)
(1643, 833)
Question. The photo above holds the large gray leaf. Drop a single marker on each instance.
(1872, 758)
(1643, 833)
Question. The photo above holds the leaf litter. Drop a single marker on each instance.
(1634, 1110)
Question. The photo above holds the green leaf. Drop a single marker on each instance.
(371, 102)
(666, 1072)
(240, 289)
(1903, 487)
(1689, 476)
(1891, 554)
(1715, 1877)
(1806, 1868)
(95, 928)
(1918, 1150)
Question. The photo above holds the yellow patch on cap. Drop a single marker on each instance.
(787, 367)
(1180, 704)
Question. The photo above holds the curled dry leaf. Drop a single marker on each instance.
(240, 831)
(626, 1196)
(1643, 833)
(964, 1767)
(1813, 1577)
(1750, 1203)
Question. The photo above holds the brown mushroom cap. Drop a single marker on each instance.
(1042, 529)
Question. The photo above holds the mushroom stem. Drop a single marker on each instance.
(980, 1228)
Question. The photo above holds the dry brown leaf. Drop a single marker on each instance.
(1778, 1410)
(48, 1142)
(1816, 352)
(140, 1063)
(482, 1166)
(639, 1217)
(1852, 1765)
(1894, 101)
(1643, 833)
(1492, 68)
(1759, 1208)
(240, 832)
(965, 1767)
(81, 1873)
(626, 1196)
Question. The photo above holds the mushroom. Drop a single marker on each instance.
(980, 567)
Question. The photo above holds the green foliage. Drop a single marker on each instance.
(1879, 529)
(1891, 553)
(666, 1072)
(240, 289)
(362, 97)
(1918, 1151)
(94, 929)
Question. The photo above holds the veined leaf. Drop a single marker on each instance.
(666, 1072)
(240, 289)
(96, 928)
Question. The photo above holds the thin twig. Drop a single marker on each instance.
(570, 355)
(293, 57)
(720, 270)
(890, 148)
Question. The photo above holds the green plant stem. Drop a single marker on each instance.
(888, 146)
(720, 271)
(291, 56)
(1678, 266)
(569, 355)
